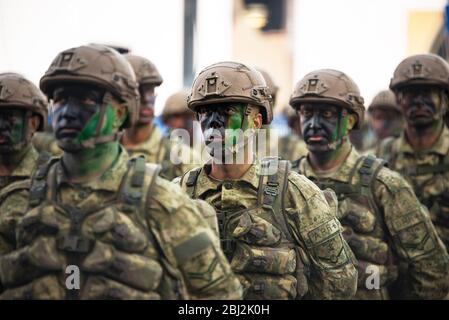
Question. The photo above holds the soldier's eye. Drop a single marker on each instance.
(327, 114)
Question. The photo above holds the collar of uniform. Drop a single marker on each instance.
(441, 147)
(110, 180)
(152, 144)
(339, 174)
(27, 165)
(206, 183)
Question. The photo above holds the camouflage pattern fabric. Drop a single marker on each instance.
(428, 172)
(387, 228)
(292, 147)
(46, 141)
(129, 241)
(157, 149)
(290, 253)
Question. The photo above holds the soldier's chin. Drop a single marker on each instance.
(69, 145)
(318, 147)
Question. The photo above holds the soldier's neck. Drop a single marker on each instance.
(136, 135)
(89, 164)
(9, 162)
(423, 138)
(220, 171)
(326, 161)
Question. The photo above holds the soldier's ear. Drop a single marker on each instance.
(34, 122)
(258, 121)
(121, 113)
(352, 119)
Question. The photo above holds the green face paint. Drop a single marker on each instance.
(234, 125)
(12, 125)
(89, 130)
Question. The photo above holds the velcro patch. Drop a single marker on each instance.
(323, 232)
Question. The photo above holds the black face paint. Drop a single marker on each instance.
(322, 125)
(421, 105)
(221, 123)
(12, 129)
(73, 107)
(147, 102)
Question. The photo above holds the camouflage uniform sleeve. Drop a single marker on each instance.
(414, 239)
(194, 247)
(327, 256)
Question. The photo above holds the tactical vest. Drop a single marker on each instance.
(258, 241)
(364, 224)
(114, 245)
(438, 204)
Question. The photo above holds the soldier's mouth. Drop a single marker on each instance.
(4, 139)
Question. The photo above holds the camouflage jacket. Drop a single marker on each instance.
(157, 149)
(387, 228)
(428, 172)
(46, 141)
(130, 233)
(279, 233)
(14, 198)
(292, 147)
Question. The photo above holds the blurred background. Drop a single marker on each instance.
(287, 38)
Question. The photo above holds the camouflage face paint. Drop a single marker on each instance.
(236, 121)
(89, 130)
(12, 127)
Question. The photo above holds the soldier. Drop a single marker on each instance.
(385, 119)
(146, 139)
(176, 114)
(385, 225)
(23, 111)
(281, 236)
(421, 153)
(129, 233)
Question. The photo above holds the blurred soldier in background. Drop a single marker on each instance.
(385, 225)
(421, 153)
(23, 111)
(144, 138)
(276, 227)
(128, 232)
(176, 114)
(385, 120)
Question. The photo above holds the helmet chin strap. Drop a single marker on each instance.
(98, 138)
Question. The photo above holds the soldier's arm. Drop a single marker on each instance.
(414, 239)
(332, 274)
(193, 247)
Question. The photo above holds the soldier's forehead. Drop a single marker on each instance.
(320, 105)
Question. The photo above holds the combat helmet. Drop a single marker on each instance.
(421, 69)
(385, 99)
(18, 92)
(146, 71)
(332, 86)
(96, 65)
(231, 82)
(176, 104)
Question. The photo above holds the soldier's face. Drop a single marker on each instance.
(147, 101)
(73, 109)
(221, 123)
(12, 124)
(321, 125)
(385, 122)
(422, 105)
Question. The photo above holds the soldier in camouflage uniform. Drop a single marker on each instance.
(23, 111)
(385, 120)
(276, 227)
(130, 233)
(146, 139)
(421, 153)
(385, 225)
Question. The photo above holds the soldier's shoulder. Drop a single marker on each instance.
(191, 174)
(392, 180)
(305, 186)
(386, 146)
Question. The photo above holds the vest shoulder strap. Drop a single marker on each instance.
(38, 188)
(192, 177)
